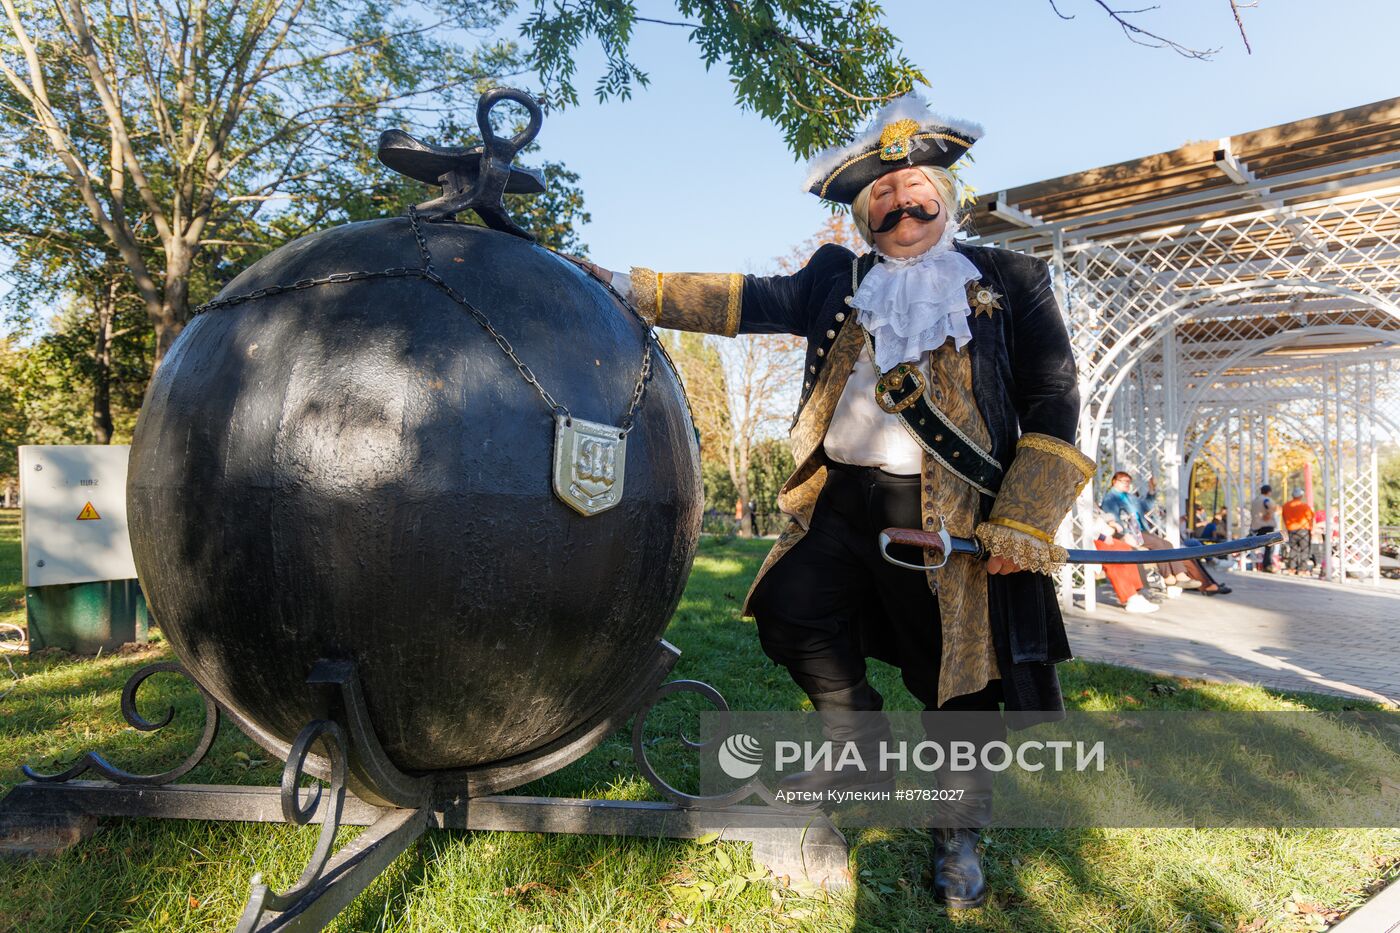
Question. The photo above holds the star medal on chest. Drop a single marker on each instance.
(983, 298)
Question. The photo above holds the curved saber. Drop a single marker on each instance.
(946, 544)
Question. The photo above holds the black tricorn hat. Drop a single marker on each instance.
(903, 133)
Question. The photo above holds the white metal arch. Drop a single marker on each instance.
(1237, 292)
(1098, 403)
(1243, 355)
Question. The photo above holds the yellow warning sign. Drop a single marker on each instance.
(88, 514)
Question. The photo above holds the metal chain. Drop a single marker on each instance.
(429, 274)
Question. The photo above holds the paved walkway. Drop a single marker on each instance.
(1281, 632)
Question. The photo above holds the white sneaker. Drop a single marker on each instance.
(1172, 592)
(1137, 603)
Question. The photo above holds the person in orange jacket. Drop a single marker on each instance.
(1298, 520)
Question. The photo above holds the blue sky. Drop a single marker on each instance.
(678, 178)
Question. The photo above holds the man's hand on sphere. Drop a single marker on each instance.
(591, 268)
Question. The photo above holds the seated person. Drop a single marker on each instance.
(1125, 579)
(1130, 511)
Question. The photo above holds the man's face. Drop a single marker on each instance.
(1123, 483)
(907, 187)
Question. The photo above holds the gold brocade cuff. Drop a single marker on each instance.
(705, 302)
(1045, 478)
(644, 293)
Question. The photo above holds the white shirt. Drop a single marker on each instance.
(1261, 511)
(863, 433)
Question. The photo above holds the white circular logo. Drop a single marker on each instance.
(740, 756)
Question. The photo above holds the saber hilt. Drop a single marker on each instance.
(940, 541)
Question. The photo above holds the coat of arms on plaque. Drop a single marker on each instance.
(589, 464)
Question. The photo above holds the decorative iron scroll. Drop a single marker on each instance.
(263, 899)
(95, 762)
(678, 797)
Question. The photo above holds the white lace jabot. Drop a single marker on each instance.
(916, 304)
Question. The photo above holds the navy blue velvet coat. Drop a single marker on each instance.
(1024, 380)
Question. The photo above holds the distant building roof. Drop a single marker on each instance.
(1328, 155)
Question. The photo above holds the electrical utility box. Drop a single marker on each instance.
(80, 583)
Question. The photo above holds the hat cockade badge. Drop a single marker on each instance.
(895, 140)
(983, 299)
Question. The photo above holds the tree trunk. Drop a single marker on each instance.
(167, 328)
(175, 305)
(102, 383)
(105, 310)
(739, 474)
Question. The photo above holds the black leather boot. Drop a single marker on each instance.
(847, 716)
(957, 868)
(958, 878)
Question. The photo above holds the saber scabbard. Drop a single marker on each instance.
(947, 545)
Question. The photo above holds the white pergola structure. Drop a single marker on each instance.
(1227, 299)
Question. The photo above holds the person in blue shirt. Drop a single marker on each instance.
(1127, 508)
(1130, 510)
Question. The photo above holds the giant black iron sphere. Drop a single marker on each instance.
(357, 471)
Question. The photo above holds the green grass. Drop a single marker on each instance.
(11, 574)
(157, 876)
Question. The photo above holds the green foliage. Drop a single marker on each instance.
(196, 135)
(770, 465)
(13, 424)
(719, 488)
(1388, 472)
(814, 69)
(294, 154)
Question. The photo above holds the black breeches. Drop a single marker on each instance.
(812, 603)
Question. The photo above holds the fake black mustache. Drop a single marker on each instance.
(916, 211)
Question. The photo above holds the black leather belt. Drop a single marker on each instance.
(901, 392)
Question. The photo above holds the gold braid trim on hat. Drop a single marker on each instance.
(704, 302)
(948, 137)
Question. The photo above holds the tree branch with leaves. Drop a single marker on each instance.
(176, 123)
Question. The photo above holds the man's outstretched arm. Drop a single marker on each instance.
(729, 303)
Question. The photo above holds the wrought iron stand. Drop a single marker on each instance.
(341, 748)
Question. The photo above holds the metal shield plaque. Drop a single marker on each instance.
(589, 464)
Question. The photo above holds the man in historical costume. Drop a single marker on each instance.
(938, 386)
